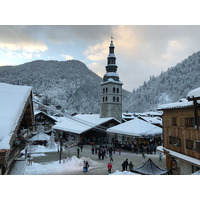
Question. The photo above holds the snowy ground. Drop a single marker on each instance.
(46, 161)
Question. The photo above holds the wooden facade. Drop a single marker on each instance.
(181, 135)
(42, 118)
(178, 129)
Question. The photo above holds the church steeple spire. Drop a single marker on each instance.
(111, 64)
(111, 88)
(111, 67)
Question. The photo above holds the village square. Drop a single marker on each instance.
(112, 142)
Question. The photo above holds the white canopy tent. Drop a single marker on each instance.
(137, 128)
(40, 137)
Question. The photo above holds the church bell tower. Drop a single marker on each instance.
(111, 89)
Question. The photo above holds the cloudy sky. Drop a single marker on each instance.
(141, 51)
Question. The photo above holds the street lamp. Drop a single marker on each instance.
(60, 155)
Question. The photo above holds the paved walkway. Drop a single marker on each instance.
(101, 167)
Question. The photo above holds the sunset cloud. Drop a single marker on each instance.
(28, 47)
(67, 57)
(141, 51)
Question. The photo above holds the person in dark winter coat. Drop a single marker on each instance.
(130, 166)
(99, 155)
(143, 156)
(111, 158)
(120, 151)
(102, 155)
(109, 167)
(126, 164)
(78, 150)
(87, 166)
(95, 149)
(123, 166)
(81, 147)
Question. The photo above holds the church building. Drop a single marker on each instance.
(111, 89)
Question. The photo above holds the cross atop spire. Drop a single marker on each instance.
(111, 37)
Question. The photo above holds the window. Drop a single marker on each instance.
(106, 99)
(103, 90)
(198, 146)
(117, 90)
(189, 144)
(189, 122)
(113, 99)
(103, 99)
(114, 90)
(106, 90)
(174, 123)
(176, 141)
(117, 99)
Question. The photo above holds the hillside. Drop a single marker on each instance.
(169, 86)
(69, 84)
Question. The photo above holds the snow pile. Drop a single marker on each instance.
(72, 164)
(117, 172)
(38, 149)
(41, 149)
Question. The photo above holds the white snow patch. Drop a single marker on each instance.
(117, 172)
(71, 164)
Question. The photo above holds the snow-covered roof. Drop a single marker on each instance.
(128, 116)
(36, 112)
(137, 128)
(112, 74)
(12, 101)
(180, 156)
(40, 137)
(153, 113)
(110, 80)
(152, 120)
(81, 123)
(194, 93)
(175, 105)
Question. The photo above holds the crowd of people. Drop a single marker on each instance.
(107, 151)
(139, 145)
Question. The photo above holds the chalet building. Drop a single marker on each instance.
(181, 134)
(84, 128)
(41, 118)
(16, 117)
(111, 89)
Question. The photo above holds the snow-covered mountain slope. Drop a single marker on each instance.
(169, 86)
(69, 84)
